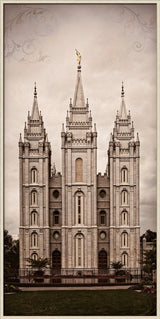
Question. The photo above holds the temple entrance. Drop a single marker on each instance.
(102, 266)
(102, 259)
(56, 266)
(56, 259)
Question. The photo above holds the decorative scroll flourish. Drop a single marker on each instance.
(133, 21)
(23, 32)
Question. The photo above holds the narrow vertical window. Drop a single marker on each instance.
(124, 175)
(34, 239)
(79, 170)
(124, 239)
(79, 251)
(34, 175)
(56, 218)
(34, 256)
(34, 200)
(124, 197)
(124, 218)
(125, 259)
(34, 218)
(102, 217)
(79, 211)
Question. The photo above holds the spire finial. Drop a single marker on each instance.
(122, 92)
(35, 90)
(20, 138)
(78, 59)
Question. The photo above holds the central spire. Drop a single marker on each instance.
(78, 100)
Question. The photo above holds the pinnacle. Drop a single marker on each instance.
(123, 112)
(79, 100)
(35, 110)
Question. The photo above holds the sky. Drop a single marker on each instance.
(117, 43)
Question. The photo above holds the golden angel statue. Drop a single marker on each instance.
(78, 57)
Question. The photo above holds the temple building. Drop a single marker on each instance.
(78, 219)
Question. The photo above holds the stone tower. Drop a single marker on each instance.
(34, 172)
(79, 184)
(123, 168)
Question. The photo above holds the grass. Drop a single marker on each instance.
(87, 302)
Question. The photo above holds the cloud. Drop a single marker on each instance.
(117, 43)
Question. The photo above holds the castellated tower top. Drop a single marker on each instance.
(123, 130)
(34, 131)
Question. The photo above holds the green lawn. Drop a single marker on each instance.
(86, 302)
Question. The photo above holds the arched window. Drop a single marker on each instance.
(102, 215)
(34, 175)
(34, 239)
(34, 198)
(79, 208)
(102, 259)
(34, 256)
(124, 239)
(79, 251)
(124, 175)
(124, 197)
(125, 259)
(34, 218)
(124, 218)
(55, 217)
(79, 170)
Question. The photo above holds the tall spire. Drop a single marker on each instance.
(79, 100)
(123, 112)
(35, 111)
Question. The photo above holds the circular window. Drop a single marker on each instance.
(102, 193)
(102, 235)
(56, 235)
(56, 194)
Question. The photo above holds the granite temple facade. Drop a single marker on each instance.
(78, 219)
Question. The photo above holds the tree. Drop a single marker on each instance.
(117, 265)
(149, 235)
(11, 256)
(37, 265)
(150, 259)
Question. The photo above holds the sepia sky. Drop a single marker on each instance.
(117, 43)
